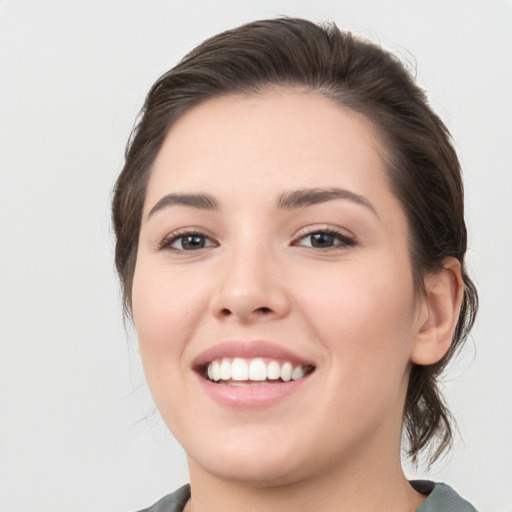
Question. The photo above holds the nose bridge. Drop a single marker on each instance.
(250, 285)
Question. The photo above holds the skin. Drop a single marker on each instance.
(351, 308)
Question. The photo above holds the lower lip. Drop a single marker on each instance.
(246, 397)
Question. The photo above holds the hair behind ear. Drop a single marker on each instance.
(426, 414)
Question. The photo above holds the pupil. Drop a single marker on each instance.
(322, 240)
(193, 242)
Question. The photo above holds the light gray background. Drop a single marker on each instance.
(73, 75)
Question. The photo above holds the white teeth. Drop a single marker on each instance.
(286, 371)
(225, 370)
(242, 372)
(298, 373)
(239, 369)
(258, 370)
(215, 366)
(273, 370)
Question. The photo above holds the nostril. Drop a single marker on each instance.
(245, 314)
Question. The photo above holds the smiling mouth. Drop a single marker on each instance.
(253, 372)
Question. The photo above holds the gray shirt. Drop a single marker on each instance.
(441, 498)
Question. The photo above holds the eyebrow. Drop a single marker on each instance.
(310, 196)
(199, 201)
(288, 201)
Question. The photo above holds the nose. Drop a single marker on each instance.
(251, 288)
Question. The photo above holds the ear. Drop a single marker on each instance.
(439, 312)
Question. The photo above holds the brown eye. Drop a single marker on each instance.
(187, 242)
(325, 240)
(191, 242)
(322, 240)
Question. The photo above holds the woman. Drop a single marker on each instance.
(290, 241)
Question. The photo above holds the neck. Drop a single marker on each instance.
(367, 485)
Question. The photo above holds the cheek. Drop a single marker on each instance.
(167, 309)
(365, 317)
(365, 322)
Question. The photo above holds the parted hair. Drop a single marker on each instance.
(422, 166)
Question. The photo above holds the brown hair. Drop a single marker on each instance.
(423, 168)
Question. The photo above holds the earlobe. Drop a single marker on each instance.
(439, 313)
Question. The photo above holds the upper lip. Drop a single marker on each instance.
(248, 350)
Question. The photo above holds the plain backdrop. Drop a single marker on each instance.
(78, 428)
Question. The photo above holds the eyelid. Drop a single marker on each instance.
(173, 236)
(348, 239)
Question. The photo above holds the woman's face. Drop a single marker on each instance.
(271, 245)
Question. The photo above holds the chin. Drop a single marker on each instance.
(259, 472)
(256, 462)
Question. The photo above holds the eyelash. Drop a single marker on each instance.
(344, 241)
(167, 242)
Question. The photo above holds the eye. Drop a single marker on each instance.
(325, 239)
(187, 242)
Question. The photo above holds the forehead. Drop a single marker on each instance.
(278, 140)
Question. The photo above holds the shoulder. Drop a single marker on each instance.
(441, 498)
(174, 502)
